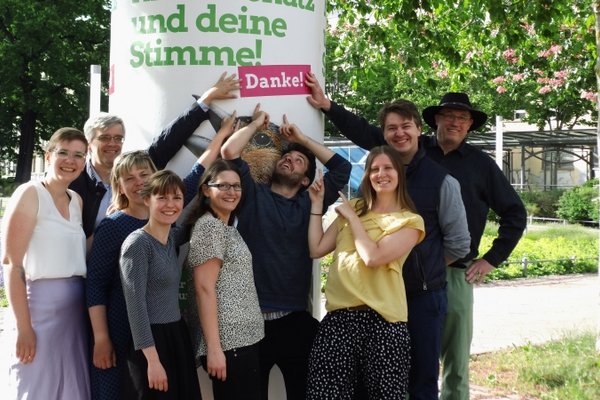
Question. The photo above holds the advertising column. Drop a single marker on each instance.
(163, 52)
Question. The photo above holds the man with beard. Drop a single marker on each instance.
(273, 220)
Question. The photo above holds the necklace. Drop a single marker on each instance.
(46, 187)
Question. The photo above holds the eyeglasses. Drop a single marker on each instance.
(223, 187)
(64, 154)
(108, 138)
(452, 117)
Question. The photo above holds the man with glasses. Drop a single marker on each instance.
(273, 221)
(483, 187)
(106, 134)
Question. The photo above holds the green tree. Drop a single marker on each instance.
(46, 49)
(527, 55)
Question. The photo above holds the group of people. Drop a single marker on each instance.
(453, 186)
(96, 244)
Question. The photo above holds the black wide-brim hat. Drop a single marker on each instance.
(458, 101)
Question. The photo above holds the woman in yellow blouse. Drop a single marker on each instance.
(363, 340)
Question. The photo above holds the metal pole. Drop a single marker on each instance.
(596, 9)
(499, 139)
(95, 88)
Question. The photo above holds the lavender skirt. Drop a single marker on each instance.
(60, 367)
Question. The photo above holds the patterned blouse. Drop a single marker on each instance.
(239, 316)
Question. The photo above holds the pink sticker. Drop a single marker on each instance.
(273, 80)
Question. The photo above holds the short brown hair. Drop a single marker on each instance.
(66, 134)
(404, 108)
(162, 182)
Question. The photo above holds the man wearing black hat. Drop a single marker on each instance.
(437, 197)
(483, 187)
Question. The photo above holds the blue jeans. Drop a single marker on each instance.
(426, 314)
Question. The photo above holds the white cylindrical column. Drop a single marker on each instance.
(162, 52)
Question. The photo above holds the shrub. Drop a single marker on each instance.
(7, 186)
(541, 203)
(553, 250)
(580, 203)
(325, 263)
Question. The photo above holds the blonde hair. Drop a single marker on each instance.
(123, 164)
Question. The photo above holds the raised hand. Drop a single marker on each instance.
(260, 119)
(345, 209)
(291, 132)
(316, 191)
(317, 98)
(222, 90)
(229, 125)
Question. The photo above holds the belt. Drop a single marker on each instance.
(460, 265)
(272, 315)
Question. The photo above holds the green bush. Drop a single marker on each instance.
(551, 250)
(580, 203)
(541, 203)
(7, 186)
(325, 263)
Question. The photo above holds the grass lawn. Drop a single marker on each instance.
(565, 369)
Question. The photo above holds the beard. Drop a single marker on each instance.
(290, 180)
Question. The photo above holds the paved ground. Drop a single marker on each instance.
(515, 313)
(509, 314)
(534, 311)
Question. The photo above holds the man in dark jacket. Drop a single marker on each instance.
(483, 187)
(273, 221)
(106, 133)
(437, 197)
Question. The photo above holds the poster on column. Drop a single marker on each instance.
(165, 51)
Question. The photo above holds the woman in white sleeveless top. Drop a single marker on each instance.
(44, 259)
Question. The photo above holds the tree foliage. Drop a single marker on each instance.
(46, 49)
(508, 55)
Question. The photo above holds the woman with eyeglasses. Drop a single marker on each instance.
(43, 247)
(105, 301)
(160, 365)
(226, 323)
